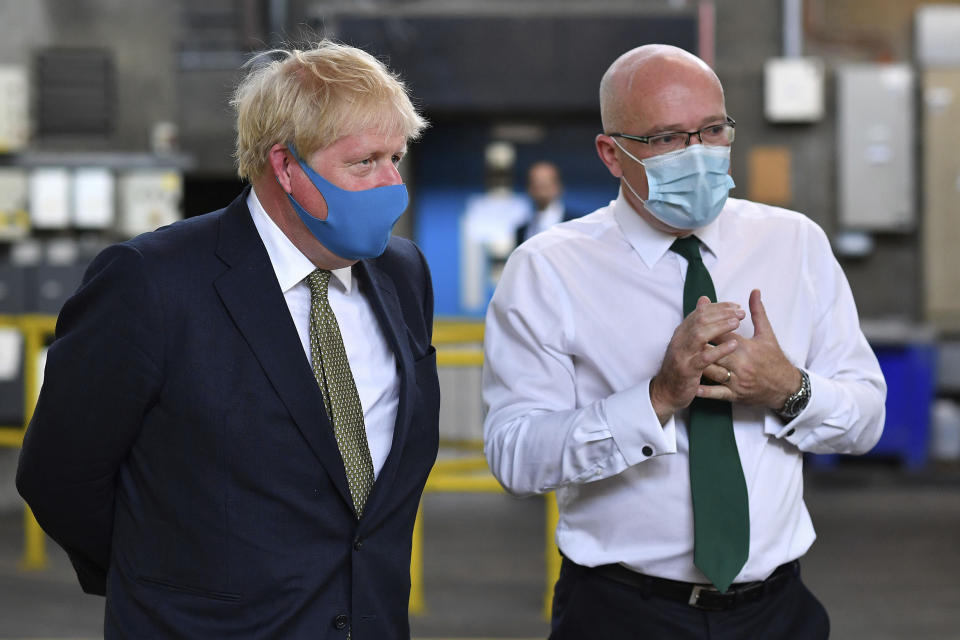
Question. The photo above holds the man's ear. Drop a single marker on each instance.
(607, 150)
(281, 165)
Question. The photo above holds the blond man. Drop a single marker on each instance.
(240, 410)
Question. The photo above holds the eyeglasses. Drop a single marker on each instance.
(717, 134)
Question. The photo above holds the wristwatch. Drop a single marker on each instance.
(796, 402)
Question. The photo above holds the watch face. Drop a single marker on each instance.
(797, 406)
(796, 403)
(803, 396)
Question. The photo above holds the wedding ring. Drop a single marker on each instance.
(729, 375)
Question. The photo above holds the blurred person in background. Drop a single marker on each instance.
(240, 410)
(545, 188)
(632, 366)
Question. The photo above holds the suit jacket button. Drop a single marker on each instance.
(357, 544)
(340, 622)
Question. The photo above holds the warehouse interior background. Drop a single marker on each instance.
(114, 120)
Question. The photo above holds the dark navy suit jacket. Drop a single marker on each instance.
(520, 233)
(181, 454)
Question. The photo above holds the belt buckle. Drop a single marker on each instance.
(695, 593)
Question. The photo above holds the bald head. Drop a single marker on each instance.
(651, 90)
(641, 76)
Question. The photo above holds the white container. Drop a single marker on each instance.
(50, 198)
(945, 436)
(93, 198)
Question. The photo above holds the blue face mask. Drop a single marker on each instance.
(358, 223)
(687, 187)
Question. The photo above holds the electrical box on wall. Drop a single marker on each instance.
(793, 89)
(14, 101)
(940, 112)
(935, 37)
(875, 145)
(14, 219)
(148, 199)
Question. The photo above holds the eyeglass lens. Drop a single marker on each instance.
(715, 134)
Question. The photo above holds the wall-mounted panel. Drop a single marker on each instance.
(875, 145)
(149, 198)
(941, 197)
(509, 63)
(936, 35)
(14, 107)
(76, 92)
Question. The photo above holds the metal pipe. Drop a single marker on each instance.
(278, 21)
(792, 28)
(706, 31)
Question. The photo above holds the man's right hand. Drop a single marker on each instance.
(690, 352)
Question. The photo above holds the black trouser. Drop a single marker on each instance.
(589, 606)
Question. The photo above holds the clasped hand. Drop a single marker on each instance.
(749, 370)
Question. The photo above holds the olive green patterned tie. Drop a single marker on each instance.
(721, 518)
(340, 398)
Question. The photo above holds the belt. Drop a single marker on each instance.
(699, 596)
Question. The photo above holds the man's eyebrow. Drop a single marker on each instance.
(668, 128)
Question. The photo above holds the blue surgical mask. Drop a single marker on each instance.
(358, 223)
(687, 187)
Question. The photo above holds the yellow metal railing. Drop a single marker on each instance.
(457, 332)
(461, 475)
(470, 474)
(35, 330)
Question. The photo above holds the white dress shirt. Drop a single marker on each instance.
(545, 218)
(578, 327)
(372, 362)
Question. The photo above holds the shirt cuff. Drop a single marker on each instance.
(634, 425)
(823, 401)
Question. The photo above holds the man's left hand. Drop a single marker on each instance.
(759, 372)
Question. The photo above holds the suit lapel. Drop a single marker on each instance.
(251, 295)
(386, 306)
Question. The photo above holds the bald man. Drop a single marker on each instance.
(663, 364)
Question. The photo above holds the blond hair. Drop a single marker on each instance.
(312, 98)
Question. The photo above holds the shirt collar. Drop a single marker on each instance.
(651, 244)
(552, 210)
(290, 265)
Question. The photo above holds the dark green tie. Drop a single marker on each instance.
(721, 519)
(340, 398)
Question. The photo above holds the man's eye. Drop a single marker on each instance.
(396, 158)
(664, 140)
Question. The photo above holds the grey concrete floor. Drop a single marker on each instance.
(886, 564)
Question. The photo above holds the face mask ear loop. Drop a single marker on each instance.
(633, 191)
(293, 200)
(296, 157)
(293, 152)
(630, 155)
(624, 178)
(303, 167)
